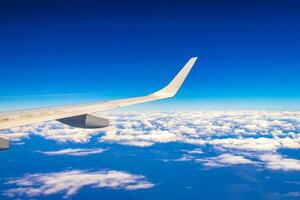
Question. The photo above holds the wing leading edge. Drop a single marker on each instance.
(20, 118)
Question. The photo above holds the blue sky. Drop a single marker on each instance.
(55, 52)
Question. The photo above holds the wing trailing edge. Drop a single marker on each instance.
(68, 113)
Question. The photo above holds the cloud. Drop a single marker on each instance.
(224, 160)
(17, 136)
(194, 151)
(248, 130)
(74, 152)
(243, 130)
(293, 182)
(248, 144)
(69, 183)
(52, 131)
(292, 194)
(277, 162)
(272, 161)
(184, 157)
(236, 133)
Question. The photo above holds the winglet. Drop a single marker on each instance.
(171, 89)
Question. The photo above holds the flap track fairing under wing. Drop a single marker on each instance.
(85, 121)
(4, 143)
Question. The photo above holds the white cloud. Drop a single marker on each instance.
(244, 130)
(249, 144)
(250, 130)
(69, 183)
(277, 162)
(53, 131)
(194, 151)
(256, 132)
(73, 152)
(17, 136)
(185, 157)
(224, 160)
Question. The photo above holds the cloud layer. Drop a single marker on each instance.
(70, 182)
(246, 130)
(237, 137)
(52, 131)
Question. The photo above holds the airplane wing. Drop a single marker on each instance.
(84, 115)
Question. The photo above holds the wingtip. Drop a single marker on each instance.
(171, 89)
(193, 59)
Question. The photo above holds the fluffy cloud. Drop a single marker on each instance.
(194, 151)
(250, 130)
(53, 131)
(224, 160)
(73, 152)
(15, 136)
(260, 133)
(245, 130)
(69, 183)
(277, 162)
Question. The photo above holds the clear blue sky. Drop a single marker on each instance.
(56, 52)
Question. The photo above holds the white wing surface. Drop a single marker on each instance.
(83, 115)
